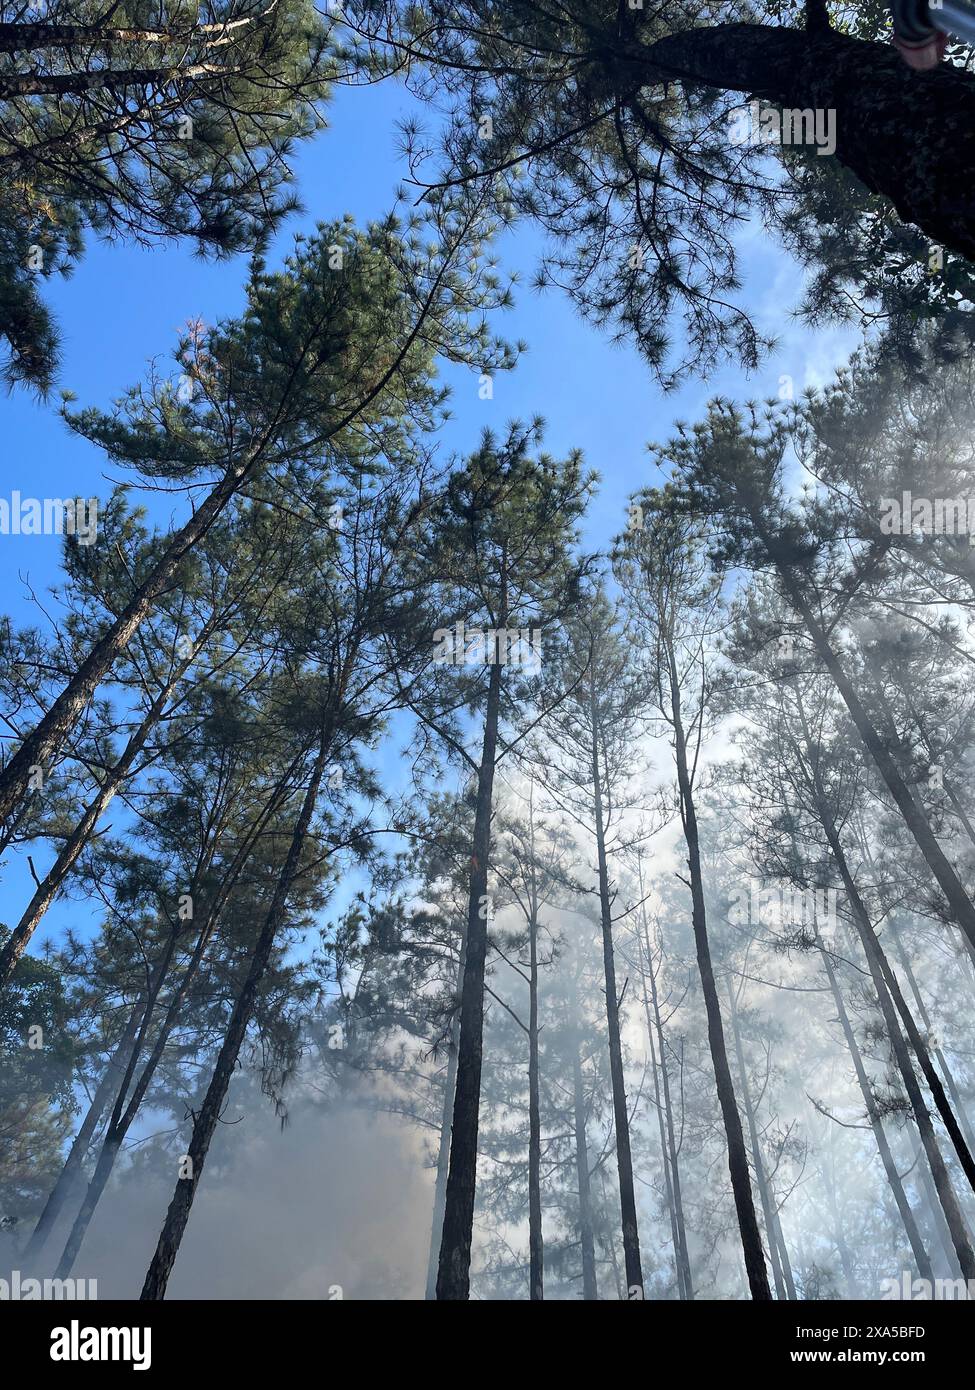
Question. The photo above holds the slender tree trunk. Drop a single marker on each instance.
(928, 1071)
(765, 1196)
(56, 725)
(624, 1161)
(535, 1247)
(536, 1252)
(658, 1105)
(118, 1121)
(784, 1257)
(122, 1119)
(443, 1150)
(937, 1225)
(453, 1278)
(587, 1241)
(911, 811)
(160, 1267)
(50, 884)
(954, 1123)
(921, 1257)
(942, 1181)
(751, 1238)
(925, 1018)
(70, 1175)
(671, 1125)
(836, 1234)
(664, 1117)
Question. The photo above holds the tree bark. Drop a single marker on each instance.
(586, 1236)
(741, 1186)
(881, 105)
(453, 1278)
(766, 1196)
(443, 1150)
(921, 1257)
(925, 1018)
(536, 1277)
(624, 1161)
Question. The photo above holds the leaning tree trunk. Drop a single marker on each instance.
(453, 1278)
(942, 1180)
(925, 1017)
(930, 1074)
(121, 1119)
(50, 884)
(59, 721)
(70, 1175)
(921, 1257)
(160, 1267)
(911, 810)
(880, 104)
(741, 1186)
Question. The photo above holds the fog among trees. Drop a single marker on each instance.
(491, 870)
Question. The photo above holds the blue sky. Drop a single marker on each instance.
(125, 305)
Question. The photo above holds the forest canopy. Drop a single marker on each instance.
(456, 850)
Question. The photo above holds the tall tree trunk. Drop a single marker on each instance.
(665, 1113)
(453, 1277)
(920, 1048)
(587, 1243)
(536, 1258)
(952, 1116)
(160, 1267)
(671, 1128)
(921, 1257)
(766, 1197)
(443, 1149)
(751, 1238)
(836, 1233)
(937, 1225)
(658, 1104)
(624, 1161)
